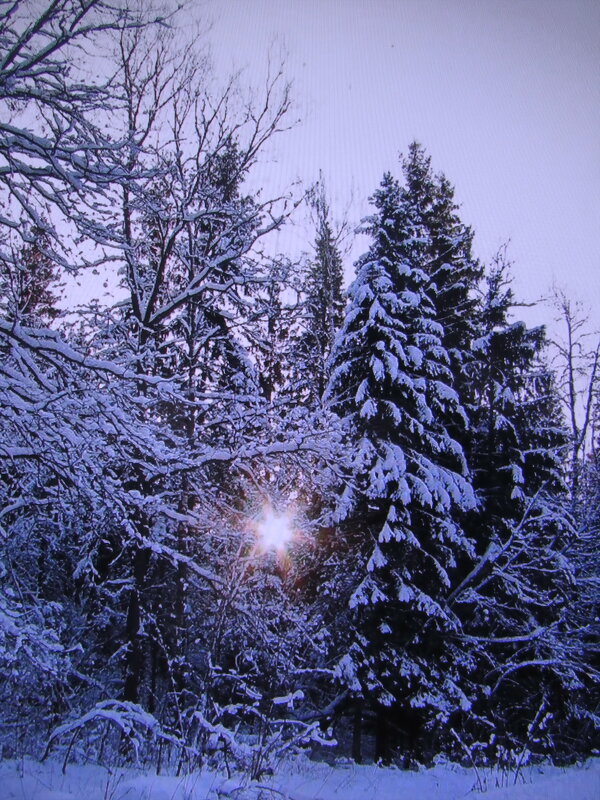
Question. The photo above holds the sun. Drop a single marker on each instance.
(275, 530)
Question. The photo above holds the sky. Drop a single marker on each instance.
(504, 95)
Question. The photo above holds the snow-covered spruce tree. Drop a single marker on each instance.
(453, 271)
(324, 304)
(274, 336)
(587, 559)
(26, 281)
(583, 735)
(513, 603)
(576, 359)
(407, 484)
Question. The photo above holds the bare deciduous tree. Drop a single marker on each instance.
(577, 364)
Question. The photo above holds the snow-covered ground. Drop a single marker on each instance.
(298, 780)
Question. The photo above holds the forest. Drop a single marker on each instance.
(243, 509)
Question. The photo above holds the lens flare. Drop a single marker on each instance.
(275, 531)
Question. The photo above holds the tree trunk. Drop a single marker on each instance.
(357, 732)
(134, 664)
(382, 753)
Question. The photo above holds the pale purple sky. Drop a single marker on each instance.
(504, 94)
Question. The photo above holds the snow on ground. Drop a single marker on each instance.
(297, 780)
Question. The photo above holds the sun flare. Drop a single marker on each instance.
(275, 531)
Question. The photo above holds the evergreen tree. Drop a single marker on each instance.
(324, 304)
(513, 603)
(453, 271)
(392, 383)
(584, 612)
(518, 430)
(26, 295)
